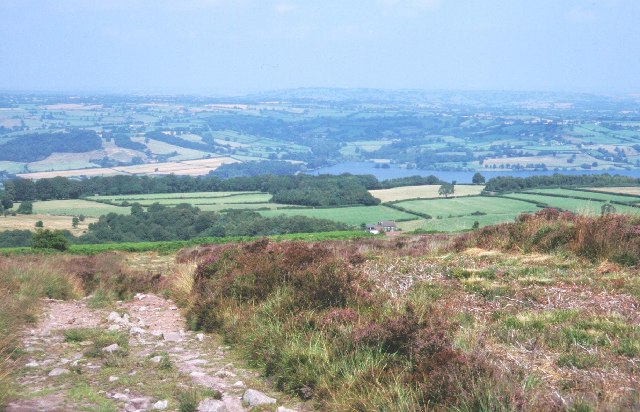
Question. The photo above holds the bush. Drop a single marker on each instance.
(49, 239)
(25, 208)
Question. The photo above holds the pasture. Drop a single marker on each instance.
(630, 190)
(582, 206)
(422, 192)
(75, 207)
(465, 206)
(355, 215)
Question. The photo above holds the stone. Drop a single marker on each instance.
(114, 317)
(111, 348)
(32, 364)
(161, 405)
(136, 331)
(283, 409)
(172, 337)
(156, 359)
(200, 337)
(140, 403)
(232, 403)
(120, 397)
(211, 405)
(59, 371)
(225, 374)
(238, 384)
(140, 296)
(255, 398)
(113, 378)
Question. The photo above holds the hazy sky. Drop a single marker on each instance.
(237, 46)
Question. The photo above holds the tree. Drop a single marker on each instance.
(75, 221)
(607, 208)
(477, 179)
(49, 239)
(446, 189)
(7, 203)
(25, 208)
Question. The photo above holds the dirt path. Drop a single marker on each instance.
(137, 357)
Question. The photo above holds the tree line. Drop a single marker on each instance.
(503, 184)
(307, 190)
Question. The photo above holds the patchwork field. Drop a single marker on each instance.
(198, 167)
(350, 215)
(422, 192)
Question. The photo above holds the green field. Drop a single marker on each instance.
(587, 195)
(74, 207)
(355, 215)
(457, 224)
(189, 195)
(238, 198)
(588, 207)
(464, 206)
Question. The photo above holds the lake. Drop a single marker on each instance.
(368, 168)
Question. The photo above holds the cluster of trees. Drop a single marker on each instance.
(38, 146)
(513, 184)
(185, 222)
(324, 190)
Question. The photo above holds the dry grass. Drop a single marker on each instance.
(622, 190)
(27, 222)
(422, 192)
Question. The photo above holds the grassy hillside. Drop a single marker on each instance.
(539, 314)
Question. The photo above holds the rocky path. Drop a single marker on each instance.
(136, 357)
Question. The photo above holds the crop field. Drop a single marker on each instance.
(186, 195)
(587, 207)
(355, 215)
(422, 192)
(633, 190)
(187, 167)
(74, 207)
(464, 206)
(28, 222)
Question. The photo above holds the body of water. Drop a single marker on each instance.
(368, 168)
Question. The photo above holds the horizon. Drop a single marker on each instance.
(234, 48)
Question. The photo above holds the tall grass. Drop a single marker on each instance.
(307, 317)
(613, 237)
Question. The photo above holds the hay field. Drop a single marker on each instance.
(422, 192)
(28, 222)
(631, 190)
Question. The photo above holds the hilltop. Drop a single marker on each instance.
(536, 314)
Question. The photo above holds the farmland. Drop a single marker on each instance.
(356, 215)
(318, 127)
(28, 222)
(422, 192)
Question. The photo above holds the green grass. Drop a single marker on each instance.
(74, 207)
(183, 195)
(355, 215)
(465, 206)
(587, 195)
(588, 207)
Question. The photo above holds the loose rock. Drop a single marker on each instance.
(255, 398)
(211, 405)
(59, 371)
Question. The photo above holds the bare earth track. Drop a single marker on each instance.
(163, 367)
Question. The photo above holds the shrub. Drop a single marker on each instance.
(49, 239)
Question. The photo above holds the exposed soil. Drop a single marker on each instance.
(164, 366)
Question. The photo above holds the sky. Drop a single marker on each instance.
(226, 47)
